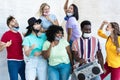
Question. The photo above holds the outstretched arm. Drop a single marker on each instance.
(66, 6)
(100, 32)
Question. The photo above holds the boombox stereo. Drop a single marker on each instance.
(88, 71)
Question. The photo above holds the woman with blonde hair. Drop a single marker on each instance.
(47, 18)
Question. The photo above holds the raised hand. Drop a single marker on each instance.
(105, 22)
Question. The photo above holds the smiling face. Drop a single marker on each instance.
(86, 29)
(46, 10)
(70, 9)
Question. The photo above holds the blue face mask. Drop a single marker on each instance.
(15, 29)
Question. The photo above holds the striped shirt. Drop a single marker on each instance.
(86, 48)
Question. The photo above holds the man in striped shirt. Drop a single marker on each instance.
(87, 48)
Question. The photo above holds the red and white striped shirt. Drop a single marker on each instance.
(86, 48)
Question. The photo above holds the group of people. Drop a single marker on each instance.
(52, 57)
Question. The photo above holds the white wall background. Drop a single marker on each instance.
(94, 10)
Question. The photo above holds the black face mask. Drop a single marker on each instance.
(36, 31)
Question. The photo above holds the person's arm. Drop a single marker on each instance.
(100, 58)
(100, 31)
(46, 53)
(55, 22)
(69, 34)
(75, 50)
(4, 45)
(77, 58)
(28, 49)
(69, 54)
(66, 6)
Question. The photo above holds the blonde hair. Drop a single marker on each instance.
(39, 13)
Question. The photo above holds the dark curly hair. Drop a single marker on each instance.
(52, 30)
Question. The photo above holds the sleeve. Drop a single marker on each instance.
(44, 37)
(4, 38)
(26, 42)
(71, 22)
(75, 45)
(119, 40)
(46, 45)
(53, 17)
(65, 42)
(101, 34)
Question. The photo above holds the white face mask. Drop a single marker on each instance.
(87, 35)
(108, 33)
(69, 14)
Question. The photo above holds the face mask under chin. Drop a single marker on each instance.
(58, 38)
(15, 29)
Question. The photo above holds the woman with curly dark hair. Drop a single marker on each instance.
(112, 64)
(57, 51)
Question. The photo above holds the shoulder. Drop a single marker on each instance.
(52, 15)
(46, 42)
(43, 35)
(63, 40)
(28, 37)
(7, 33)
(94, 39)
(72, 18)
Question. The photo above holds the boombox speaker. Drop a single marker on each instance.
(88, 71)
